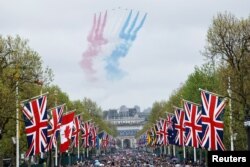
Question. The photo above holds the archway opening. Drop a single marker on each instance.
(119, 143)
(126, 143)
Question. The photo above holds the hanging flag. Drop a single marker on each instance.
(36, 122)
(179, 126)
(171, 129)
(85, 128)
(166, 126)
(66, 131)
(212, 124)
(76, 130)
(105, 140)
(93, 135)
(149, 139)
(192, 124)
(159, 136)
(54, 126)
(99, 139)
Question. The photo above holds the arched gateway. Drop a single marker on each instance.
(128, 122)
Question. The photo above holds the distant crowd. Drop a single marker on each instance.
(134, 158)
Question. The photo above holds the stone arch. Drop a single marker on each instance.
(126, 143)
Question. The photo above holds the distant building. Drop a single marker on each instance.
(128, 122)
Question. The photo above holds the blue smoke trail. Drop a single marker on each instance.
(121, 50)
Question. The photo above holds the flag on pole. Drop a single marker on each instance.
(66, 131)
(179, 120)
(158, 133)
(54, 126)
(105, 140)
(36, 122)
(212, 124)
(93, 135)
(192, 124)
(76, 130)
(85, 128)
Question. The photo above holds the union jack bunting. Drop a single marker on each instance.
(179, 126)
(76, 130)
(85, 128)
(54, 126)
(36, 122)
(193, 124)
(212, 125)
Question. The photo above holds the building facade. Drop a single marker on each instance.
(128, 122)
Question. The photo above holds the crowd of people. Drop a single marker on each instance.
(134, 158)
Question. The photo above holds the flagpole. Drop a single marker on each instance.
(174, 150)
(169, 150)
(184, 153)
(230, 110)
(55, 93)
(194, 155)
(210, 92)
(78, 153)
(34, 97)
(17, 126)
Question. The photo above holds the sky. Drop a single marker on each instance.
(167, 47)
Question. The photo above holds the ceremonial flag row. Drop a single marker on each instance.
(195, 125)
(42, 128)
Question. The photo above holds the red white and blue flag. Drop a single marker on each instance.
(179, 127)
(193, 124)
(164, 131)
(36, 122)
(66, 131)
(212, 124)
(85, 128)
(54, 126)
(93, 135)
(76, 130)
(105, 140)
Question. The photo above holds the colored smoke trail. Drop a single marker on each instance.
(96, 40)
(113, 69)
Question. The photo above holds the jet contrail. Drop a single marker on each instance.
(113, 69)
(96, 40)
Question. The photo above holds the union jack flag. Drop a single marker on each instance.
(105, 140)
(54, 126)
(212, 125)
(76, 130)
(85, 128)
(193, 124)
(179, 126)
(159, 137)
(166, 126)
(93, 135)
(36, 122)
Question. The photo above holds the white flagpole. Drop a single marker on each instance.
(230, 115)
(169, 149)
(194, 154)
(78, 153)
(184, 153)
(174, 150)
(17, 126)
(55, 93)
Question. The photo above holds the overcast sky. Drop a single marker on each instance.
(164, 53)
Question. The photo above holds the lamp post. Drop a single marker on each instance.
(231, 117)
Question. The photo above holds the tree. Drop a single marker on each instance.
(228, 44)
